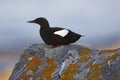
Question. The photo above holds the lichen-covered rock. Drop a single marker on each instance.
(71, 62)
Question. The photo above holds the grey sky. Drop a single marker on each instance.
(98, 20)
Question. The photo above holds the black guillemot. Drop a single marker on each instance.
(55, 36)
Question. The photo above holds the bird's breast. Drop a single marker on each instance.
(46, 35)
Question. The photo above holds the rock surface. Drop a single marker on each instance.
(71, 62)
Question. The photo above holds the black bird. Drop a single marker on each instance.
(55, 36)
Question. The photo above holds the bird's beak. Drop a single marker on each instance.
(31, 21)
(82, 36)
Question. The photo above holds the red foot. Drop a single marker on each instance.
(57, 45)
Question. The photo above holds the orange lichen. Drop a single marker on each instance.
(36, 60)
(90, 64)
(69, 72)
(34, 63)
(113, 57)
(108, 51)
(46, 74)
(85, 51)
(31, 66)
(118, 78)
(84, 59)
(95, 71)
(26, 55)
(25, 77)
(50, 60)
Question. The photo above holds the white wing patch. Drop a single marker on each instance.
(62, 33)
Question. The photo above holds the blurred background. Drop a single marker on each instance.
(98, 20)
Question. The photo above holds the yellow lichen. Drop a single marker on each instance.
(113, 57)
(69, 72)
(95, 71)
(108, 51)
(46, 74)
(26, 55)
(34, 63)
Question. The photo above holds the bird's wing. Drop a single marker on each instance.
(62, 32)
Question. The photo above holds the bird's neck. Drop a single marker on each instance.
(44, 25)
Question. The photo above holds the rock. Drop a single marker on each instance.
(71, 62)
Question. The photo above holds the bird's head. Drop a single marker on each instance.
(41, 21)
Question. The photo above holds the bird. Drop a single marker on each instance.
(55, 36)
